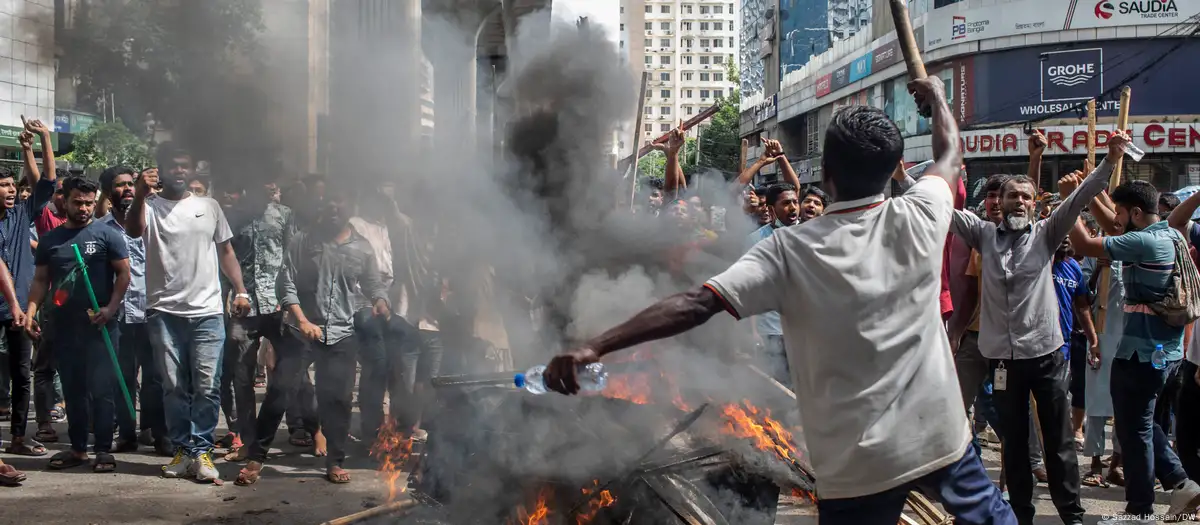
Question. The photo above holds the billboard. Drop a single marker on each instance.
(860, 68)
(1028, 83)
(1072, 140)
(958, 23)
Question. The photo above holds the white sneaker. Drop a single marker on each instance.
(1185, 499)
(204, 469)
(179, 467)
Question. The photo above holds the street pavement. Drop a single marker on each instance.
(293, 491)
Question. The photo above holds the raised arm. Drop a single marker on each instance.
(782, 163)
(1181, 216)
(135, 218)
(673, 179)
(768, 156)
(947, 159)
(31, 168)
(1037, 146)
(1106, 216)
(1074, 199)
(39, 128)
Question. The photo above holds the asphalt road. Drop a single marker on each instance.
(292, 491)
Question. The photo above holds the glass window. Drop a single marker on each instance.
(687, 59)
(687, 76)
(649, 110)
(718, 59)
(666, 93)
(703, 93)
(719, 77)
(718, 26)
(665, 77)
(664, 127)
(664, 60)
(718, 42)
(688, 110)
(704, 42)
(649, 9)
(649, 128)
(704, 77)
(718, 93)
(704, 26)
(648, 42)
(622, 27)
(649, 26)
(703, 59)
(666, 26)
(649, 59)
(687, 9)
(665, 110)
(717, 9)
(687, 94)
(665, 9)
(704, 10)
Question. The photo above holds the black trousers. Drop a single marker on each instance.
(134, 353)
(1046, 378)
(1187, 421)
(240, 365)
(89, 380)
(335, 366)
(19, 352)
(1167, 404)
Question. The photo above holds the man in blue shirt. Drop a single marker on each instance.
(787, 210)
(1147, 254)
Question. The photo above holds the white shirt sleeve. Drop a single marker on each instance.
(926, 211)
(754, 283)
(222, 232)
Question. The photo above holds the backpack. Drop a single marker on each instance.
(1181, 304)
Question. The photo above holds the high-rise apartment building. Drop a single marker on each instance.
(686, 46)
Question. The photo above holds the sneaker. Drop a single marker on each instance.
(1185, 499)
(204, 469)
(180, 467)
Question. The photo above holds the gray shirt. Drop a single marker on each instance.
(133, 308)
(1018, 307)
(325, 279)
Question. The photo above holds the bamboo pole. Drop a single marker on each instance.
(1102, 300)
(1091, 121)
(382, 510)
(742, 159)
(1113, 182)
(908, 42)
(637, 133)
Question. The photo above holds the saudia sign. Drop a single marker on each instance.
(1143, 9)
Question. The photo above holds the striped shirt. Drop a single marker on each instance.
(1147, 259)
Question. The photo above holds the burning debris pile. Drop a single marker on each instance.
(633, 455)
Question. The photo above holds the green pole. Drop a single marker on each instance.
(112, 352)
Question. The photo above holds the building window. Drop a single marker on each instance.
(730, 42)
(687, 26)
(704, 26)
(687, 42)
(649, 128)
(649, 59)
(622, 28)
(665, 77)
(649, 110)
(622, 44)
(719, 77)
(718, 42)
(718, 59)
(704, 42)
(666, 93)
(704, 59)
(717, 9)
(687, 9)
(703, 93)
(687, 59)
(687, 76)
(649, 26)
(665, 60)
(666, 26)
(704, 10)
(812, 141)
(688, 110)
(649, 9)
(622, 9)
(664, 42)
(717, 93)
(703, 77)
(665, 110)
(664, 127)
(649, 42)
(666, 9)
(718, 26)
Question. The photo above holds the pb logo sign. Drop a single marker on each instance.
(958, 29)
(1077, 74)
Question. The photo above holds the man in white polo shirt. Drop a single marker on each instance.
(870, 360)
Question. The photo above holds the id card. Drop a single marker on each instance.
(1000, 378)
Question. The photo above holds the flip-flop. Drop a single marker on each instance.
(1094, 479)
(65, 460)
(28, 447)
(246, 478)
(336, 479)
(10, 477)
(104, 463)
(301, 439)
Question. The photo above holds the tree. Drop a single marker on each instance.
(110, 144)
(185, 62)
(720, 140)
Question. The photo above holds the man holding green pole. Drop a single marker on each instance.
(60, 298)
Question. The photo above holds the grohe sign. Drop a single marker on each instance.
(1077, 74)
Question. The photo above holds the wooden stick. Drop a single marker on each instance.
(1091, 121)
(382, 510)
(908, 42)
(1113, 182)
(770, 379)
(637, 134)
(741, 160)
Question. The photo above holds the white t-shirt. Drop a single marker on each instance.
(857, 290)
(182, 274)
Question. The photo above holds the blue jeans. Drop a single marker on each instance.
(1145, 453)
(963, 488)
(188, 353)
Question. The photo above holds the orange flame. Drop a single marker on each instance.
(599, 501)
(392, 448)
(541, 512)
(634, 387)
(764, 432)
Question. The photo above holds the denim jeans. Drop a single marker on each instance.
(1187, 421)
(135, 352)
(47, 384)
(17, 352)
(421, 361)
(374, 340)
(963, 488)
(188, 353)
(240, 365)
(89, 379)
(335, 366)
(1136, 386)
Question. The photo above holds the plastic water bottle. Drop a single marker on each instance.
(1159, 358)
(591, 378)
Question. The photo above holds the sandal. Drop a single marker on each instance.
(65, 460)
(10, 477)
(1094, 479)
(339, 478)
(58, 414)
(247, 477)
(104, 463)
(301, 439)
(48, 435)
(27, 447)
(1116, 476)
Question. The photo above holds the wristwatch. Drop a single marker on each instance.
(245, 296)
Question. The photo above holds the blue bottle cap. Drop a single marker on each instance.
(519, 380)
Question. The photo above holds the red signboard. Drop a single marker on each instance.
(824, 85)
(1072, 140)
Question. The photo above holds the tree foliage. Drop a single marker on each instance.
(182, 61)
(720, 140)
(110, 144)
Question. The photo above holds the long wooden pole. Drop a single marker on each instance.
(908, 43)
(1102, 299)
(637, 133)
(1113, 182)
(1091, 121)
